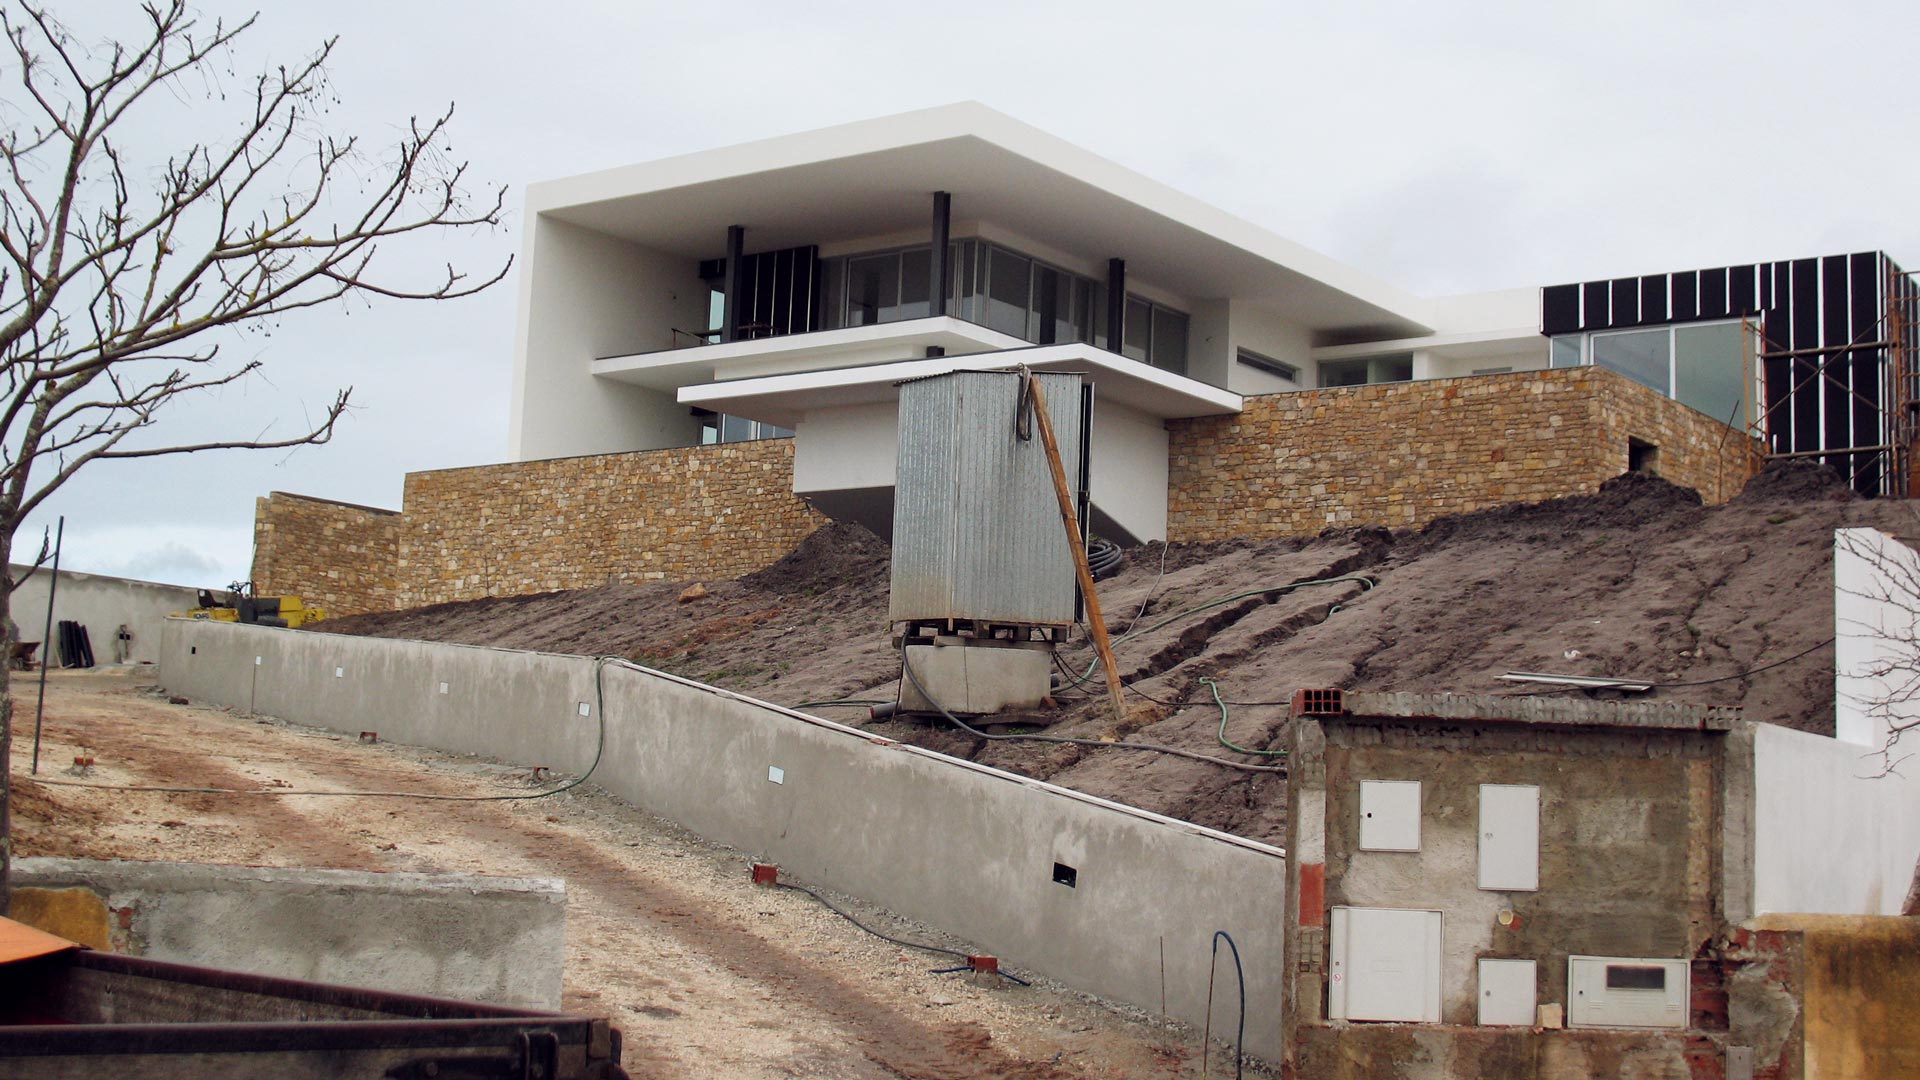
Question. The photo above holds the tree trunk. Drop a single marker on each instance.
(9, 633)
(1912, 904)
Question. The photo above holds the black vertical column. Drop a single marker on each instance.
(1116, 304)
(730, 292)
(942, 283)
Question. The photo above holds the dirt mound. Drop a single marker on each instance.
(1631, 500)
(840, 554)
(1725, 605)
(1794, 480)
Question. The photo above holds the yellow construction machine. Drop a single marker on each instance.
(242, 606)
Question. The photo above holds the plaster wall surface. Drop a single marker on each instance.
(1831, 834)
(587, 295)
(968, 849)
(100, 603)
(492, 939)
(1628, 828)
(1273, 336)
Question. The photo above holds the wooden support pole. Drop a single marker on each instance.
(1096, 622)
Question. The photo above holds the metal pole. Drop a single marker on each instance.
(46, 643)
(730, 291)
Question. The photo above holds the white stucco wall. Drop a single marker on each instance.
(856, 446)
(1428, 365)
(1833, 830)
(102, 604)
(1129, 471)
(587, 295)
(1271, 335)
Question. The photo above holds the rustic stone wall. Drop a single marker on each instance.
(336, 555)
(581, 522)
(1402, 454)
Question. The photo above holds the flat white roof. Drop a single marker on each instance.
(877, 177)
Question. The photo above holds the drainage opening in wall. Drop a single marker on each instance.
(1065, 875)
(1642, 456)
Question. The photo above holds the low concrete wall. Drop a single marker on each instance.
(102, 604)
(492, 939)
(965, 848)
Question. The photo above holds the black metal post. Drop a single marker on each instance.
(1116, 304)
(46, 643)
(730, 291)
(942, 274)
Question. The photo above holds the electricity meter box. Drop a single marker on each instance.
(1612, 991)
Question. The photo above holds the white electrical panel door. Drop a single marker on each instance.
(1612, 991)
(1390, 815)
(1384, 965)
(1507, 994)
(1510, 837)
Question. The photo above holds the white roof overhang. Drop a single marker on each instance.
(876, 177)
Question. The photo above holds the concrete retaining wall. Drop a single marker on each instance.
(492, 939)
(101, 604)
(958, 846)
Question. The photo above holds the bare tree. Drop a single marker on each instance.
(1883, 682)
(117, 275)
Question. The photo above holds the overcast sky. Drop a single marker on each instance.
(1441, 147)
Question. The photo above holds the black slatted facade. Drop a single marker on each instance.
(1833, 401)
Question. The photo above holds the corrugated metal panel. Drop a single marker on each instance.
(976, 525)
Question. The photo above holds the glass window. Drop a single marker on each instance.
(1708, 365)
(1169, 341)
(1053, 320)
(772, 431)
(966, 283)
(735, 429)
(1390, 368)
(833, 296)
(1138, 334)
(916, 284)
(1343, 373)
(873, 289)
(1096, 308)
(1644, 356)
(1009, 278)
(1564, 351)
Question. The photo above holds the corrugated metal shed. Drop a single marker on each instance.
(976, 523)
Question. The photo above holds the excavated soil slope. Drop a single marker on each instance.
(1637, 580)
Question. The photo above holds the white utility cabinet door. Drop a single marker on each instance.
(1614, 991)
(1507, 993)
(1385, 965)
(1510, 837)
(1390, 815)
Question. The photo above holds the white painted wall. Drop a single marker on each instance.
(1833, 832)
(101, 604)
(1271, 335)
(1430, 365)
(587, 295)
(1129, 472)
(854, 446)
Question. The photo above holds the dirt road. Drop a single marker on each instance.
(706, 975)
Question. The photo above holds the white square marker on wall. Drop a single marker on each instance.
(443, 688)
(776, 774)
(586, 709)
(339, 673)
(258, 660)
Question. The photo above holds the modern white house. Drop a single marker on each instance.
(788, 286)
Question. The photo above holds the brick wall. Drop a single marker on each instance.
(336, 555)
(581, 522)
(1402, 454)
